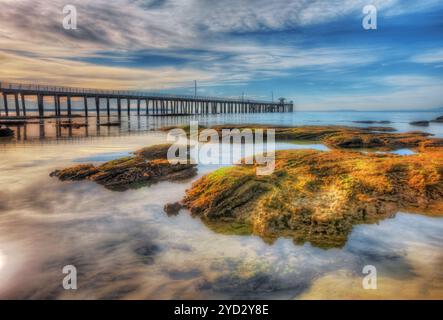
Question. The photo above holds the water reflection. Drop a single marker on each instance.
(2, 260)
(50, 129)
(62, 129)
(124, 246)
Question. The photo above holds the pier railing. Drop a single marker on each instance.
(48, 89)
(154, 103)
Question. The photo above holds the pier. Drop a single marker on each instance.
(146, 103)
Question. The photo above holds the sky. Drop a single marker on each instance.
(313, 52)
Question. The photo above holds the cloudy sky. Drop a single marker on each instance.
(314, 52)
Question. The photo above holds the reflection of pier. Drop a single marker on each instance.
(50, 131)
(53, 130)
(146, 103)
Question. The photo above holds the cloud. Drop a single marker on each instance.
(411, 80)
(140, 24)
(59, 71)
(230, 64)
(111, 33)
(435, 56)
(214, 42)
(400, 7)
(397, 92)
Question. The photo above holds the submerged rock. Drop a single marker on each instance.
(373, 122)
(110, 124)
(147, 166)
(420, 123)
(318, 196)
(381, 129)
(172, 209)
(14, 122)
(70, 124)
(6, 132)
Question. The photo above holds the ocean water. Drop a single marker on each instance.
(125, 247)
(135, 125)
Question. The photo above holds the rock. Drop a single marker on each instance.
(70, 124)
(380, 129)
(341, 137)
(110, 124)
(186, 128)
(439, 119)
(435, 144)
(159, 151)
(146, 251)
(353, 142)
(79, 172)
(419, 123)
(130, 172)
(172, 209)
(372, 122)
(318, 196)
(11, 122)
(6, 132)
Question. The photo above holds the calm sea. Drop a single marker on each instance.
(124, 246)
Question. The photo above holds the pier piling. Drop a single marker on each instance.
(23, 104)
(156, 104)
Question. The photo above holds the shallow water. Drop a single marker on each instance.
(133, 125)
(124, 246)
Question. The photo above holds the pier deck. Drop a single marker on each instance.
(147, 103)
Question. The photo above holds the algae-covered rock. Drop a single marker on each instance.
(342, 137)
(318, 196)
(147, 166)
(76, 173)
(159, 151)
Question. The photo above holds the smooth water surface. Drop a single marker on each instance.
(125, 247)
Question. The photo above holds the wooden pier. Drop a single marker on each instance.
(146, 103)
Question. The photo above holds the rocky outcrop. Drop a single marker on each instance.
(318, 196)
(373, 122)
(147, 166)
(6, 132)
(159, 151)
(420, 123)
(380, 129)
(341, 137)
